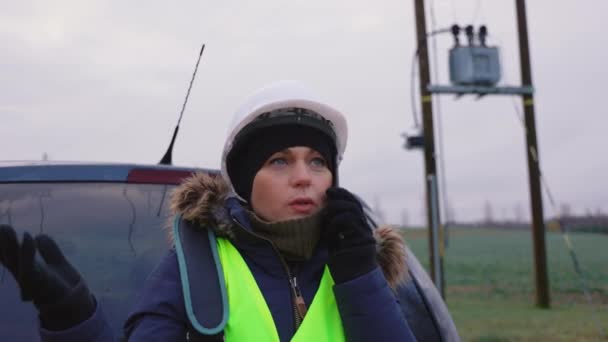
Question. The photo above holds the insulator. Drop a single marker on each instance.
(456, 33)
(483, 33)
(470, 34)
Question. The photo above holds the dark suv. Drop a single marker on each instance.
(109, 220)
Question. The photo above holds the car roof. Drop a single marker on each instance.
(47, 171)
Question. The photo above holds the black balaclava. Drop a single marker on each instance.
(251, 151)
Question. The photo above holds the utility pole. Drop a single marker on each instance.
(430, 180)
(526, 90)
(538, 225)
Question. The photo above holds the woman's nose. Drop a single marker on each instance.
(300, 175)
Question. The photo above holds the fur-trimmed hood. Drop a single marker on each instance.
(201, 199)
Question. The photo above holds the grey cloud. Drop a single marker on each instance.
(105, 81)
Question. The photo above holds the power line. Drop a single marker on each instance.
(476, 11)
(442, 173)
(413, 76)
(564, 232)
(454, 16)
(413, 89)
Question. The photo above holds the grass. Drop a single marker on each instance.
(490, 285)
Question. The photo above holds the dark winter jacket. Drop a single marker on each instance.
(367, 305)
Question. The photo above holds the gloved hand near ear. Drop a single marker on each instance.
(351, 244)
(54, 286)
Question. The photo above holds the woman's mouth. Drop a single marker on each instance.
(303, 205)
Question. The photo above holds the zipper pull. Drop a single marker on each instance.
(299, 300)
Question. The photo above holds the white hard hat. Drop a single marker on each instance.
(283, 95)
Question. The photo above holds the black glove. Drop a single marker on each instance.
(55, 287)
(350, 240)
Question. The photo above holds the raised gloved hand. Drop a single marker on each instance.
(351, 244)
(54, 286)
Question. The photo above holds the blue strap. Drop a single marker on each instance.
(202, 277)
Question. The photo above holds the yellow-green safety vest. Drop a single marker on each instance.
(251, 320)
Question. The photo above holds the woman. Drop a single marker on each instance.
(298, 257)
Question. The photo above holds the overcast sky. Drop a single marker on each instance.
(105, 80)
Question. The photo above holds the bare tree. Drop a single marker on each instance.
(378, 211)
(504, 215)
(488, 212)
(519, 213)
(565, 210)
(423, 209)
(405, 218)
(450, 213)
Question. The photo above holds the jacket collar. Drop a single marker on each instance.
(208, 203)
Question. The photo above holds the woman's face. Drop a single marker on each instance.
(291, 184)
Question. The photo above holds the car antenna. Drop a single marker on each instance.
(168, 157)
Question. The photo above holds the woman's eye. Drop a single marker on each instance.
(318, 162)
(278, 161)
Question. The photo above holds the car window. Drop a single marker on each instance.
(113, 233)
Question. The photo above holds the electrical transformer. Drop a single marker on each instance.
(474, 65)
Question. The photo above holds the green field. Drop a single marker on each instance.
(490, 285)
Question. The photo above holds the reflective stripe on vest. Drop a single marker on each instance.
(251, 320)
